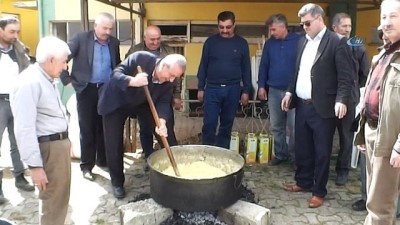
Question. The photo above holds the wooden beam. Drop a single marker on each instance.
(117, 4)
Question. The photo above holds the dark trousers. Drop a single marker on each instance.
(363, 177)
(313, 148)
(220, 102)
(346, 136)
(146, 135)
(91, 129)
(113, 124)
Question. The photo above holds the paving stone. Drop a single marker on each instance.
(245, 213)
(100, 207)
(145, 212)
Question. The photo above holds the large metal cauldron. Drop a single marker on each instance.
(200, 194)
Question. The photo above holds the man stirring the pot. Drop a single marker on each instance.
(124, 96)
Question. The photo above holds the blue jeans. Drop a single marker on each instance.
(281, 123)
(7, 120)
(220, 102)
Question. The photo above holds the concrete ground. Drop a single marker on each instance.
(92, 203)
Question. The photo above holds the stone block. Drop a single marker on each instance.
(145, 212)
(245, 213)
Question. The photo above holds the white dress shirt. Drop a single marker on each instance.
(304, 85)
(9, 70)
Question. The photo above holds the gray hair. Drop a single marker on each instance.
(339, 16)
(313, 9)
(173, 59)
(49, 47)
(277, 18)
(104, 15)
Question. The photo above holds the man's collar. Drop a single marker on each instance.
(318, 36)
(96, 39)
(48, 77)
(6, 50)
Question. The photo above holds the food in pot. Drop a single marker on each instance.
(196, 170)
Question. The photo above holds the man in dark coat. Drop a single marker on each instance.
(124, 96)
(320, 92)
(95, 54)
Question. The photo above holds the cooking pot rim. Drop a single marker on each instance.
(226, 151)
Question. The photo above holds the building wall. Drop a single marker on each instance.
(29, 23)
(254, 12)
(71, 11)
(367, 22)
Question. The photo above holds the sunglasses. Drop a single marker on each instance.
(308, 22)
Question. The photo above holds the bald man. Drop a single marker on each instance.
(152, 43)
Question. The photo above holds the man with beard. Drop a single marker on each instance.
(13, 60)
(225, 63)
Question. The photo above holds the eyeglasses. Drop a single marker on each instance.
(225, 27)
(308, 22)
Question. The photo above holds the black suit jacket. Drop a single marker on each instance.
(117, 92)
(82, 50)
(331, 74)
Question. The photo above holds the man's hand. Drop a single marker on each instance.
(362, 148)
(39, 178)
(395, 159)
(139, 80)
(262, 94)
(177, 103)
(286, 103)
(162, 129)
(340, 110)
(200, 96)
(244, 99)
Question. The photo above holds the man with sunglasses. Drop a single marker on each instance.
(225, 62)
(12, 61)
(320, 91)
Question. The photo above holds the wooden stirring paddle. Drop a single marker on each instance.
(158, 124)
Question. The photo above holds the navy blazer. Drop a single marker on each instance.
(82, 50)
(117, 92)
(331, 74)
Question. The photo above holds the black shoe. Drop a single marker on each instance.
(146, 168)
(359, 205)
(88, 175)
(118, 192)
(275, 162)
(23, 184)
(341, 178)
